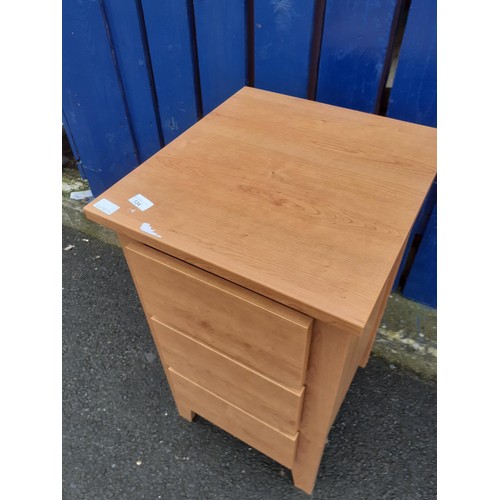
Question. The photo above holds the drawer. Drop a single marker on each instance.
(268, 337)
(274, 404)
(275, 444)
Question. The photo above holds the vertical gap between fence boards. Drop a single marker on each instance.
(317, 37)
(392, 56)
(71, 139)
(194, 55)
(74, 147)
(149, 69)
(120, 80)
(412, 253)
(250, 42)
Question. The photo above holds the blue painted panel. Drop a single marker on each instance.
(355, 41)
(168, 32)
(418, 227)
(92, 99)
(283, 36)
(422, 280)
(413, 96)
(130, 46)
(220, 35)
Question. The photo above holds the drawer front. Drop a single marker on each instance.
(274, 404)
(269, 337)
(280, 447)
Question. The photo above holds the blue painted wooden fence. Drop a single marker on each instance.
(413, 98)
(137, 73)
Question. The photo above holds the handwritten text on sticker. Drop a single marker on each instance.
(141, 202)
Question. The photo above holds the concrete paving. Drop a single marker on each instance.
(123, 438)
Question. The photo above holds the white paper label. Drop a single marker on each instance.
(106, 206)
(141, 202)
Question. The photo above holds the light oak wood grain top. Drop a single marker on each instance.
(306, 203)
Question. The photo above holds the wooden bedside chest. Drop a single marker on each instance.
(263, 243)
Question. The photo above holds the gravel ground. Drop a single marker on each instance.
(123, 438)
